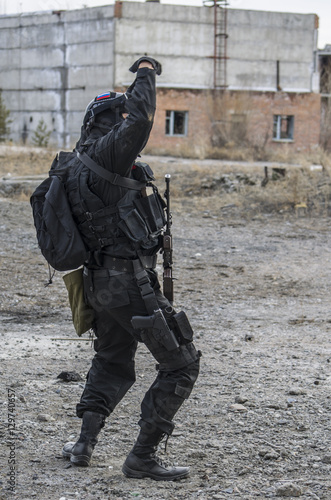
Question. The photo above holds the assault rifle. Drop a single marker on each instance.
(168, 285)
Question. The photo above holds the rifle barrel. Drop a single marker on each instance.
(167, 196)
(168, 289)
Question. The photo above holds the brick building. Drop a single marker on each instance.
(230, 76)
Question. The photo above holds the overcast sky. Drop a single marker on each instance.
(320, 7)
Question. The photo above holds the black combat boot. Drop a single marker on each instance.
(143, 462)
(80, 452)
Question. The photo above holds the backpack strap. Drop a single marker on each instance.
(116, 179)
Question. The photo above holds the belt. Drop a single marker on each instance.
(122, 265)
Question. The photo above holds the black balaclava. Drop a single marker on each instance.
(101, 115)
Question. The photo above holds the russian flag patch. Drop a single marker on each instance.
(103, 96)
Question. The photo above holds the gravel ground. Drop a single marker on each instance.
(255, 283)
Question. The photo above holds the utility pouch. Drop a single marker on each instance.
(142, 172)
(151, 208)
(133, 225)
(144, 223)
(182, 328)
(82, 313)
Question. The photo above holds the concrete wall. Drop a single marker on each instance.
(179, 37)
(257, 40)
(53, 64)
(182, 38)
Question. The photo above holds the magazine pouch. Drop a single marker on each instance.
(143, 221)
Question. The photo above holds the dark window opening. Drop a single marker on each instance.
(283, 127)
(325, 74)
(176, 122)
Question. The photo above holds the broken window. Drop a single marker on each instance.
(325, 74)
(176, 122)
(283, 128)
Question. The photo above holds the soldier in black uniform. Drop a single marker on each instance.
(120, 281)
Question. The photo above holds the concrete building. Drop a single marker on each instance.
(229, 76)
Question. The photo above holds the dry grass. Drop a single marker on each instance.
(23, 196)
(19, 161)
(211, 185)
(213, 188)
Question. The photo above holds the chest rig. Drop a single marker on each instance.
(136, 219)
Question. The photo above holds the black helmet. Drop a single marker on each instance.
(112, 102)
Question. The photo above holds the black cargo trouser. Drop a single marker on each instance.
(115, 298)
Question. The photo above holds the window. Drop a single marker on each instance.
(325, 74)
(176, 123)
(283, 128)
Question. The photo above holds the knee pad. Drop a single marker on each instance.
(184, 356)
(172, 390)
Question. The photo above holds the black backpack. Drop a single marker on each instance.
(58, 237)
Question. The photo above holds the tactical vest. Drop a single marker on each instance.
(136, 220)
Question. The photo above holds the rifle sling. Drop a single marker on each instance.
(116, 179)
(145, 286)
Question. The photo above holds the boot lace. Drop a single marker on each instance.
(159, 461)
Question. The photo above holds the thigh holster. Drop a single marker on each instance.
(166, 333)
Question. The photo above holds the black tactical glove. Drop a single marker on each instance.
(156, 65)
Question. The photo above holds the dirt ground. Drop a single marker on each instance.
(253, 273)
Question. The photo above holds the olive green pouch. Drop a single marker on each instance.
(82, 313)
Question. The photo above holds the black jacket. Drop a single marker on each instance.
(116, 151)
